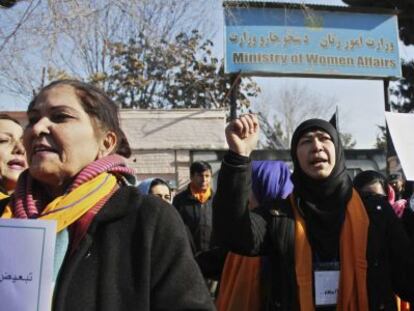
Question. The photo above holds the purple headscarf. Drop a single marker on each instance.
(270, 180)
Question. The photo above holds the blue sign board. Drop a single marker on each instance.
(286, 41)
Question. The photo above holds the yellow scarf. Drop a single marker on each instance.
(3, 195)
(352, 294)
(201, 196)
(69, 207)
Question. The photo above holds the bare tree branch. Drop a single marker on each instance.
(71, 36)
(29, 10)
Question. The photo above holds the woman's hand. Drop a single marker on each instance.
(242, 134)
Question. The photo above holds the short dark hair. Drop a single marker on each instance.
(369, 177)
(199, 167)
(98, 105)
(5, 116)
(158, 181)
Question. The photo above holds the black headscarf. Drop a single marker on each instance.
(369, 177)
(322, 202)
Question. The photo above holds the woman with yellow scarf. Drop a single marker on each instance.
(12, 154)
(329, 249)
(115, 249)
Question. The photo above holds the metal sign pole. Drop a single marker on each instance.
(389, 152)
(234, 89)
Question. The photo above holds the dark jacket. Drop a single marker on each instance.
(135, 256)
(271, 231)
(198, 217)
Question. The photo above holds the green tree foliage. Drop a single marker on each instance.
(147, 73)
(403, 91)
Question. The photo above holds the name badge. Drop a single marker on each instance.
(326, 278)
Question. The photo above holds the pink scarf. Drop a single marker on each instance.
(28, 200)
(399, 205)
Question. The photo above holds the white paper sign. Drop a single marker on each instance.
(326, 287)
(26, 264)
(401, 127)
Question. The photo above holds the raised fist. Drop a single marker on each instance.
(242, 134)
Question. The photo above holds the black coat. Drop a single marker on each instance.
(198, 218)
(266, 231)
(135, 256)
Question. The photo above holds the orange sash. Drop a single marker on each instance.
(239, 284)
(201, 196)
(352, 294)
(402, 305)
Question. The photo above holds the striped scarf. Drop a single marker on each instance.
(90, 190)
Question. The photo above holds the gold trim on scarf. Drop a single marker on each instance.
(68, 208)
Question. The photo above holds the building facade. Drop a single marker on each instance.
(164, 143)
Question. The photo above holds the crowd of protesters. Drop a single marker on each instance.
(266, 239)
(330, 247)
